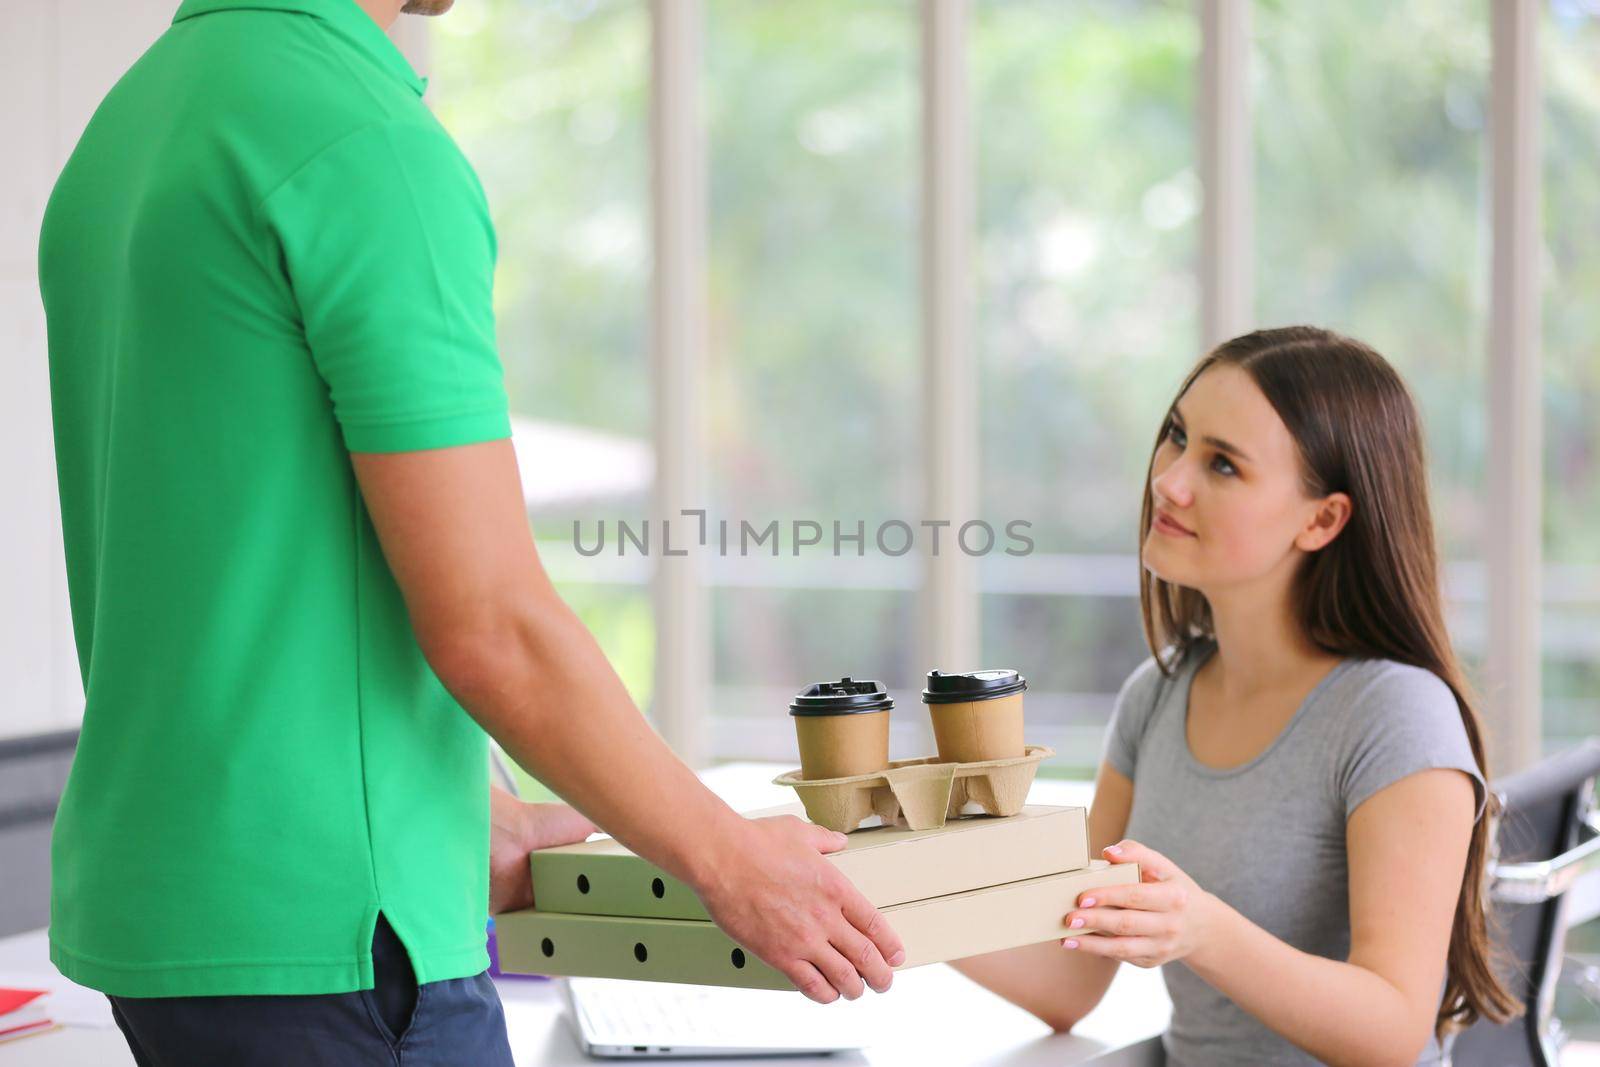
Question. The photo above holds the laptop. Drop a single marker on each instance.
(617, 1019)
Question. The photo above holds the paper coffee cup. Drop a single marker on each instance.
(842, 728)
(977, 715)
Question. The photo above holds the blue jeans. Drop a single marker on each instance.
(396, 1023)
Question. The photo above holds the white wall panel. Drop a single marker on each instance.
(26, 545)
(28, 56)
(98, 41)
(60, 58)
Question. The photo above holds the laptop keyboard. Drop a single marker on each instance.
(655, 1014)
(671, 1016)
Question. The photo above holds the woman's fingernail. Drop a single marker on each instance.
(1115, 850)
(1076, 923)
(1088, 902)
(898, 958)
(1069, 943)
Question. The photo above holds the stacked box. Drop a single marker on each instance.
(971, 886)
(888, 864)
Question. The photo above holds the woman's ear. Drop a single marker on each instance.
(1333, 511)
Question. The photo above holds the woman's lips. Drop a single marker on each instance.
(1170, 526)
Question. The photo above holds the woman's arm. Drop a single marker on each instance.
(1408, 851)
(1407, 848)
(1060, 987)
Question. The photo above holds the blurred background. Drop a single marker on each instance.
(876, 260)
(1369, 157)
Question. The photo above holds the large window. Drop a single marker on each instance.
(1371, 191)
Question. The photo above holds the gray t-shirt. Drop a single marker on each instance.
(1268, 836)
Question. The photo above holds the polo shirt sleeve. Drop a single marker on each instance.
(390, 253)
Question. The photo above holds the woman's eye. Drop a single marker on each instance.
(1223, 465)
(1175, 434)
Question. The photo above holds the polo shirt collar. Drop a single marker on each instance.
(342, 16)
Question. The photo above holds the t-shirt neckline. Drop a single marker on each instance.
(1272, 746)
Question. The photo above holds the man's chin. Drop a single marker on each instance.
(426, 7)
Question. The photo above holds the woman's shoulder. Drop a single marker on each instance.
(1131, 714)
(1142, 684)
(1392, 719)
(1371, 688)
(1143, 680)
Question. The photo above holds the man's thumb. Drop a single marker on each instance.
(556, 824)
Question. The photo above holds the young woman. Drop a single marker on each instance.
(1298, 771)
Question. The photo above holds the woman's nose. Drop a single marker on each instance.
(1171, 484)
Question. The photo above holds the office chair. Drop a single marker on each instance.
(1546, 837)
(33, 771)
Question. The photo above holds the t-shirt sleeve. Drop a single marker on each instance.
(1404, 720)
(1129, 716)
(390, 254)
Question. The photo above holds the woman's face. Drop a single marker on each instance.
(1229, 505)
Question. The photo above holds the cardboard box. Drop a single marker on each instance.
(889, 865)
(677, 950)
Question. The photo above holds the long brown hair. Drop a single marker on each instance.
(1373, 591)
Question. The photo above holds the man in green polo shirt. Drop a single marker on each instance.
(303, 584)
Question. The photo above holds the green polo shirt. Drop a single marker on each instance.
(263, 254)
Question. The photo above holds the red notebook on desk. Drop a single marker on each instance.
(22, 1012)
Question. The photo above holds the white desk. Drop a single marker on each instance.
(932, 1015)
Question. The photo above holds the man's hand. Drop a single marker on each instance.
(777, 896)
(516, 829)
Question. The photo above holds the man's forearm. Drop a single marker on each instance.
(545, 691)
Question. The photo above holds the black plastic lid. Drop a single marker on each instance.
(971, 685)
(847, 696)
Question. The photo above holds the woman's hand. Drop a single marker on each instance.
(1162, 917)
